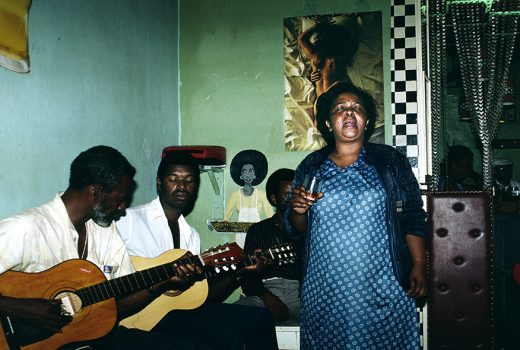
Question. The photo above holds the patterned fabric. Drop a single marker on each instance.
(350, 296)
(405, 213)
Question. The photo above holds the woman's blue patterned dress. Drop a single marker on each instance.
(350, 296)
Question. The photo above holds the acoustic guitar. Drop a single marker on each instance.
(89, 298)
(196, 295)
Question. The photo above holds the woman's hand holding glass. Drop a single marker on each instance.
(303, 198)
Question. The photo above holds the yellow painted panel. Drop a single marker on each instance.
(13, 34)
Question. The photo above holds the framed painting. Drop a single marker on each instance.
(319, 51)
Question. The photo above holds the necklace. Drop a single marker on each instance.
(85, 245)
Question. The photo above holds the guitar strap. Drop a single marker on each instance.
(8, 331)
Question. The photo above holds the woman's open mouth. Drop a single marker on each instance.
(350, 123)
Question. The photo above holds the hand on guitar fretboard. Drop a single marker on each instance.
(215, 261)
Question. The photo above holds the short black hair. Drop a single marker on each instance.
(336, 40)
(457, 153)
(324, 105)
(179, 158)
(100, 165)
(273, 182)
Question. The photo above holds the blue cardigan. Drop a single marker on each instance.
(404, 205)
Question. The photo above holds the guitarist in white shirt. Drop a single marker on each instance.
(158, 226)
(79, 224)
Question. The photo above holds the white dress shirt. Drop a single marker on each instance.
(42, 237)
(146, 232)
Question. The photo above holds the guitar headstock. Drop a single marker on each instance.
(224, 257)
(281, 254)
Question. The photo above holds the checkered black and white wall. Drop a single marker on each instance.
(404, 62)
(404, 37)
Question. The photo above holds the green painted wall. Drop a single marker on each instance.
(103, 72)
(232, 84)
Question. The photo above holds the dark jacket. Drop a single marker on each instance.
(404, 205)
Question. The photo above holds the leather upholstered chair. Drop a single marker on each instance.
(460, 304)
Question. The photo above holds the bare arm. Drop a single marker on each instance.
(418, 287)
(276, 307)
(305, 43)
(220, 288)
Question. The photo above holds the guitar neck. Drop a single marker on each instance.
(280, 254)
(222, 259)
(132, 283)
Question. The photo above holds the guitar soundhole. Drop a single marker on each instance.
(70, 303)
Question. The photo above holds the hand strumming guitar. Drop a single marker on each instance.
(46, 314)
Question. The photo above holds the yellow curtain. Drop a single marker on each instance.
(14, 51)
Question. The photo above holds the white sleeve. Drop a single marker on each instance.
(12, 236)
(118, 254)
(194, 244)
(124, 225)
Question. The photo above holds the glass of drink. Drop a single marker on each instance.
(312, 189)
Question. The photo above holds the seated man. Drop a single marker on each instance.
(276, 288)
(156, 227)
(79, 223)
(457, 172)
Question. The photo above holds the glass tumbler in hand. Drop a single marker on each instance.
(312, 189)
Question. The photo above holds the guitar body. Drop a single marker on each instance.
(85, 293)
(4, 343)
(91, 322)
(189, 299)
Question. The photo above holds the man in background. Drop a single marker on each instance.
(457, 172)
(276, 288)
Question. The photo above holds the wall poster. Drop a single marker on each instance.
(320, 50)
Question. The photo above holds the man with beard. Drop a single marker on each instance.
(153, 228)
(79, 224)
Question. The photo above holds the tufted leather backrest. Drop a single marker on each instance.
(460, 307)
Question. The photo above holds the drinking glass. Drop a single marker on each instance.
(311, 189)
